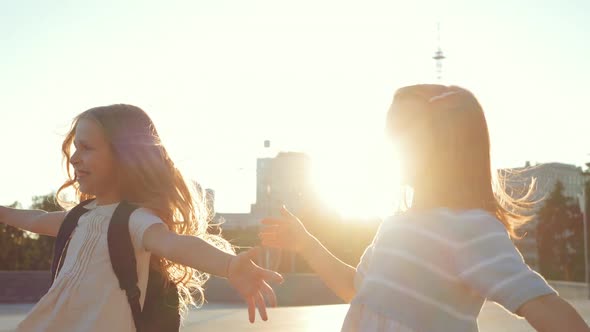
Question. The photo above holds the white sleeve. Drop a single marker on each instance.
(139, 221)
(489, 263)
(363, 267)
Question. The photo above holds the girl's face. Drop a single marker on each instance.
(94, 163)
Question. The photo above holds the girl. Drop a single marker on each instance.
(432, 267)
(119, 157)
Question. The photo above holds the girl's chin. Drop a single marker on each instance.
(85, 189)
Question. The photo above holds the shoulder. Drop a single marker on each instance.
(141, 219)
(452, 227)
(473, 223)
(143, 215)
(140, 222)
(445, 219)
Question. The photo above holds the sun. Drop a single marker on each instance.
(362, 186)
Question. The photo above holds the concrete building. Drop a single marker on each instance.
(284, 179)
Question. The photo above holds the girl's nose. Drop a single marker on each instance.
(74, 159)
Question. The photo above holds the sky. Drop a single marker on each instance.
(220, 77)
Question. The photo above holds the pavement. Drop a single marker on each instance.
(216, 317)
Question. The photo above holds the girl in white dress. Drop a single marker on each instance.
(432, 267)
(119, 157)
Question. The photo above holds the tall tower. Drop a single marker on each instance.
(438, 56)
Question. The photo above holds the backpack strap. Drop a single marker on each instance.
(123, 258)
(63, 237)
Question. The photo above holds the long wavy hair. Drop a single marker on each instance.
(444, 144)
(149, 178)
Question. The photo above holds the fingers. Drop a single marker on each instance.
(267, 238)
(268, 275)
(253, 253)
(286, 213)
(251, 309)
(272, 243)
(268, 230)
(269, 233)
(268, 293)
(271, 237)
(261, 306)
(278, 221)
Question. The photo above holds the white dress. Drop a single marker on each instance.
(86, 295)
(361, 318)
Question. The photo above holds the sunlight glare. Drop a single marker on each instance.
(362, 186)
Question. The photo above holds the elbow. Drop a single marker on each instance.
(348, 295)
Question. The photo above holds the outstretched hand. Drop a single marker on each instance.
(285, 232)
(251, 282)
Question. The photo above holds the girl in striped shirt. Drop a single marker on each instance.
(432, 267)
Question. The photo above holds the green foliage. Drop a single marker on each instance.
(22, 250)
(12, 253)
(560, 237)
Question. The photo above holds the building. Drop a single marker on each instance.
(284, 179)
(518, 180)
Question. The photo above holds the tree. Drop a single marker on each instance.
(22, 250)
(40, 251)
(11, 249)
(560, 237)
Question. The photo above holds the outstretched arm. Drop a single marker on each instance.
(35, 221)
(552, 313)
(250, 280)
(289, 233)
(337, 275)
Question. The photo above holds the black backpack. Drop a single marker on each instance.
(160, 310)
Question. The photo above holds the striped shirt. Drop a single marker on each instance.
(432, 271)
